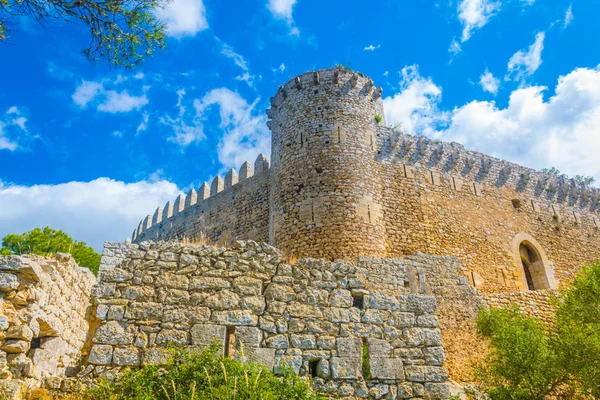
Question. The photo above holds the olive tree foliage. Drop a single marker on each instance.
(122, 32)
(531, 360)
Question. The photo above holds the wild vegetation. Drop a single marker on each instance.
(529, 360)
(47, 241)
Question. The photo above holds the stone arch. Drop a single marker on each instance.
(535, 270)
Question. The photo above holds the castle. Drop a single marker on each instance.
(359, 258)
(342, 184)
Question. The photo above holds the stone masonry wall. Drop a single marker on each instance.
(43, 308)
(537, 303)
(316, 316)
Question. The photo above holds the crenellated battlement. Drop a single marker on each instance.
(193, 199)
(454, 161)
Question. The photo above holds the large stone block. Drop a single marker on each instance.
(386, 368)
(144, 311)
(12, 346)
(417, 303)
(248, 286)
(437, 390)
(127, 356)
(114, 333)
(419, 373)
(434, 355)
(340, 298)
(379, 348)
(308, 342)
(301, 310)
(422, 337)
(288, 361)
(247, 336)
(346, 367)
(206, 335)
(262, 356)
(210, 283)
(22, 332)
(349, 347)
(100, 354)
(382, 301)
(8, 282)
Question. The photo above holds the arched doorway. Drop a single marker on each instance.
(532, 264)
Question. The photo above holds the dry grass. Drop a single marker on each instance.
(45, 394)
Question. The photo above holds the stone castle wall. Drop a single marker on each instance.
(316, 316)
(43, 319)
(344, 185)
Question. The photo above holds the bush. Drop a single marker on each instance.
(529, 360)
(48, 241)
(203, 375)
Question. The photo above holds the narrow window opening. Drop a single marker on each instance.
(301, 140)
(366, 367)
(358, 301)
(313, 367)
(36, 343)
(229, 350)
(339, 135)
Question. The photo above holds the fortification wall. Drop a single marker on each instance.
(43, 327)
(316, 316)
(537, 303)
(467, 216)
(234, 207)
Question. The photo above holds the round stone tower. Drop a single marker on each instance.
(325, 195)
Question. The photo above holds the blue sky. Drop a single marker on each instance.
(92, 149)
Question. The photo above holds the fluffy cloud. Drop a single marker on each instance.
(183, 17)
(454, 48)
(246, 133)
(415, 106)
(474, 14)
(12, 127)
(110, 101)
(489, 83)
(103, 209)
(560, 131)
(524, 63)
(283, 9)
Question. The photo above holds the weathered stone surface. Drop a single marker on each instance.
(202, 283)
(386, 368)
(8, 282)
(15, 346)
(423, 337)
(340, 298)
(248, 286)
(22, 332)
(262, 356)
(349, 347)
(205, 335)
(277, 342)
(293, 362)
(417, 373)
(345, 367)
(249, 337)
(379, 348)
(237, 317)
(434, 355)
(223, 300)
(304, 341)
(101, 354)
(115, 333)
(126, 356)
(417, 303)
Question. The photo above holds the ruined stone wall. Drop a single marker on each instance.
(316, 316)
(43, 308)
(237, 207)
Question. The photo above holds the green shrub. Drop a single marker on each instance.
(529, 360)
(203, 375)
(378, 118)
(48, 241)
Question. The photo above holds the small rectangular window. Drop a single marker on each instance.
(313, 367)
(229, 349)
(358, 301)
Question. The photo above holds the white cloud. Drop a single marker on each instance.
(560, 131)
(184, 134)
(283, 9)
(415, 106)
(489, 82)
(116, 102)
(96, 211)
(524, 63)
(474, 14)
(372, 48)
(568, 17)
(12, 129)
(454, 48)
(183, 17)
(281, 68)
(143, 124)
(110, 101)
(246, 133)
(86, 92)
(241, 62)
